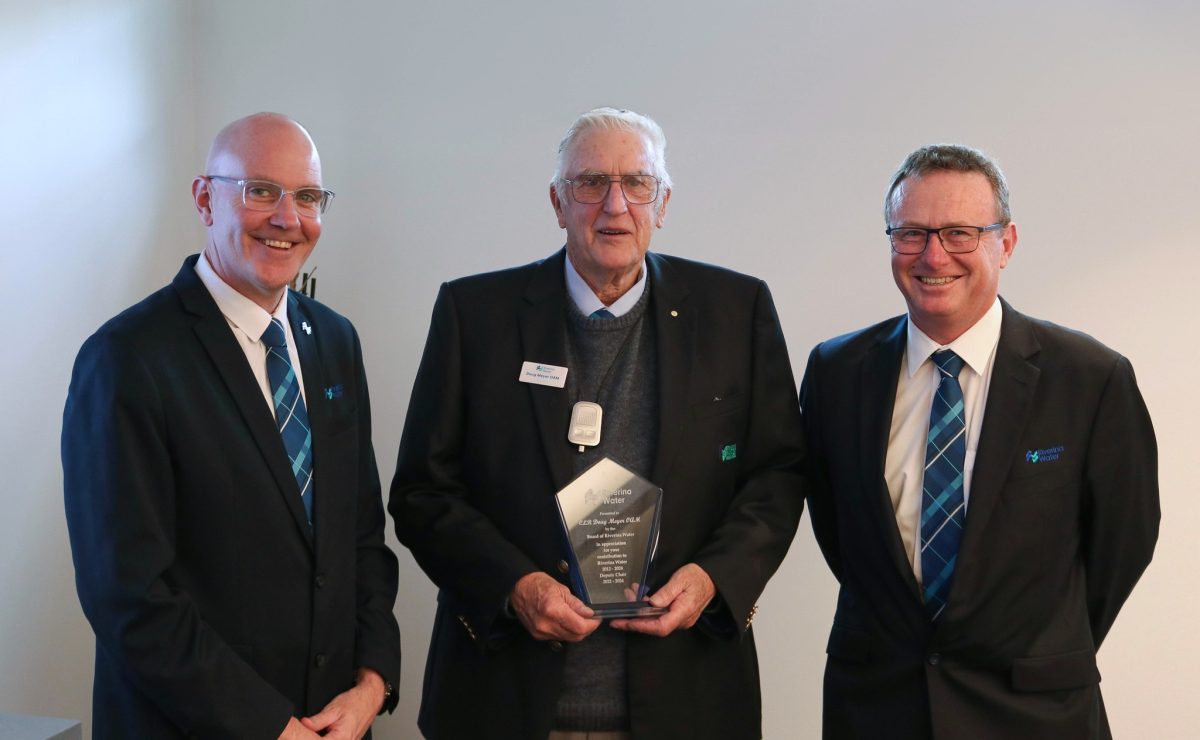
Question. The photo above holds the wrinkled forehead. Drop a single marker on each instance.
(611, 151)
(945, 190)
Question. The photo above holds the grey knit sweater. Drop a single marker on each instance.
(593, 696)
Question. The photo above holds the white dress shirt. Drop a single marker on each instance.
(586, 300)
(249, 321)
(918, 381)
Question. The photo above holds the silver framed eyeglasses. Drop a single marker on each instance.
(954, 239)
(593, 187)
(264, 195)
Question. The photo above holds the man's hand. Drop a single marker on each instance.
(349, 715)
(549, 611)
(297, 731)
(685, 595)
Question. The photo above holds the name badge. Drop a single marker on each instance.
(539, 374)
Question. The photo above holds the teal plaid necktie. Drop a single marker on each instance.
(943, 509)
(290, 415)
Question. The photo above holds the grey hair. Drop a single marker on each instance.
(616, 119)
(951, 158)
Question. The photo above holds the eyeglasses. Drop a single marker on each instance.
(264, 195)
(593, 188)
(955, 239)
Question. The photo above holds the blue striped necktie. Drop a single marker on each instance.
(290, 415)
(943, 509)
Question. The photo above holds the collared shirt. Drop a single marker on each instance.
(918, 381)
(586, 300)
(248, 321)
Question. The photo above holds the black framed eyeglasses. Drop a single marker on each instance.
(955, 239)
(593, 188)
(264, 195)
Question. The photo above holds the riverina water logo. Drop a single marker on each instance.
(1044, 454)
(606, 496)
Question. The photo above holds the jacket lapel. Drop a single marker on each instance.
(675, 336)
(1006, 413)
(877, 393)
(542, 321)
(218, 341)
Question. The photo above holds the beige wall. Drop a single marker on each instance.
(438, 124)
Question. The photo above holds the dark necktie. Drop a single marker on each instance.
(943, 510)
(602, 313)
(290, 415)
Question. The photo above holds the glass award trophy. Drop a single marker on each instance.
(610, 516)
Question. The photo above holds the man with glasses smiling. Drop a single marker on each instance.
(689, 366)
(985, 486)
(222, 497)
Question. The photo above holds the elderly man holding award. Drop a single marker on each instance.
(600, 469)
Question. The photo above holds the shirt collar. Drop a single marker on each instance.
(587, 302)
(245, 315)
(975, 346)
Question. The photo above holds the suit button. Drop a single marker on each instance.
(319, 661)
(320, 580)
(934, 658)
(556, 646)
(564, 567)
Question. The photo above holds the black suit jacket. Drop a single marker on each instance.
(483, 455)
(1052, 547)
(217, 612)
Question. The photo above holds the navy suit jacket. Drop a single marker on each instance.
(483, 455)
(1062, 520)
(217, 612)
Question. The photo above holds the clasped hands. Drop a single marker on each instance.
(347, 716)
(549, 611)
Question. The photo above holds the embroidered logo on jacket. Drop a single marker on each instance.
(1044, 454)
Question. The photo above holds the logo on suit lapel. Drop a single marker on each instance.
(307, 329)
(728, 452)
(333, 391)
(1044, 454)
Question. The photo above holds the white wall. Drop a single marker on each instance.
(437, 123)
(96, 153)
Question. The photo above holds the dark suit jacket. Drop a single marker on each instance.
(217, 613)
(1051, 550)
(483, 455)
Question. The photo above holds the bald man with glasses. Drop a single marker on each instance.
(222, 496)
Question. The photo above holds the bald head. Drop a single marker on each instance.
(255, 133)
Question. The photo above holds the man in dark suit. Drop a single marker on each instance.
(689, 365)
(986, 486)
(222, 496)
